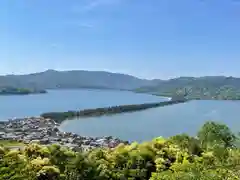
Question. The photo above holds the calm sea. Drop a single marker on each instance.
(64, 100)
(137, 126)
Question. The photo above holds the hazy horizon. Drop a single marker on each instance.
(115, 73)
(145, 39)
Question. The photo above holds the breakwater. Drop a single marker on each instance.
(61, 116)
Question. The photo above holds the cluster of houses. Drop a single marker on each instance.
(45, 131)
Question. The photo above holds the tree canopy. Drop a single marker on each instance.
(221, 88)
(211, 156)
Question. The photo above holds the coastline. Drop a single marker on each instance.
(97, 112)
(52, 134)
(46, 132)
(22, 94)
(197, 99)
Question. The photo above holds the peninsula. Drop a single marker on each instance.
(61, 116)
(20, 91)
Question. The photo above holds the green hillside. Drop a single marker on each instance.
(222, 88)
(209, 87)
(52, 79)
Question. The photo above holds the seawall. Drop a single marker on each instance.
(61, 116)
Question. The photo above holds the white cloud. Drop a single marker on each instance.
(78, 23)
(84, 25)
(55, 45)
(89, 5)
(93, 4)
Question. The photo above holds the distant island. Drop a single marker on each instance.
(20, 91)
(207, 87)
(203, 88)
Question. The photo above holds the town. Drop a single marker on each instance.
(46, 131)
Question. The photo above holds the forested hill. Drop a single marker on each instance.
(209, 87)
(75, 79)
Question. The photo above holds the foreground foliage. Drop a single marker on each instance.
(213, 155)
(10, 143)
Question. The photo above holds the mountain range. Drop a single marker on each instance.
(52, 79)
(198, 87)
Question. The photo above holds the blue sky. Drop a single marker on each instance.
(145, 38)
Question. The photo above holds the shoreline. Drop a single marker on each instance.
(196, 99)
(22, 94)
(112, 110)
(45, 91)
(46, 131)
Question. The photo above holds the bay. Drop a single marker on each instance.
(63, 100)
(137, 126)
(163, 121)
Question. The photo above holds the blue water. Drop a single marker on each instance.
(138, 126)
(163, 121)
(64, 100)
